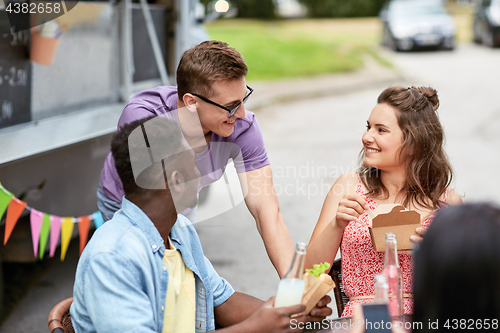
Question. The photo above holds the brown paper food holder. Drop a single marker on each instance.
(393, 218)
(43, 50)
(314, 290)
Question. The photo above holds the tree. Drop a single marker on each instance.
(343, 8)
(262, 9)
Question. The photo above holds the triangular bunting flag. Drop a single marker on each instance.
(55, 231)
(83, 229)
(36, 224)
(66, 232)
(98, 220)
(44, 234)
(43, 225)
(5, 197)
(14, 210)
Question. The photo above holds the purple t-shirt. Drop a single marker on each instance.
(245, 145)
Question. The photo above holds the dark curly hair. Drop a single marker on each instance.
(428, 171)
(159, 139)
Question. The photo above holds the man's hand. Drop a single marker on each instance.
(320, 311)
(274, 320)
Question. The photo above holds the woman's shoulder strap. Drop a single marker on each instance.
(359, 187)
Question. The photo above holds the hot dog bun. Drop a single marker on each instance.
(327, 279)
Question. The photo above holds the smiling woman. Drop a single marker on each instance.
(383, 138)
(402, 161)
(421, 153)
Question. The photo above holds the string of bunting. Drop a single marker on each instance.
(43, 225)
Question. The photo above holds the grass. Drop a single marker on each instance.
(294, 48)
(285, 49)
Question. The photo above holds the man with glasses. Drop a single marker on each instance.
(211, 85)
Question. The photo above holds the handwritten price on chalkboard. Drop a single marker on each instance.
(17, 38)
(7, 111)
(14, 77)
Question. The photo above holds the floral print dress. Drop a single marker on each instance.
(361, 263)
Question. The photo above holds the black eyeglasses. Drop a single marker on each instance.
(232, 110)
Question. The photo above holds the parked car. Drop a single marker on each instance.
(487, 22)
(410, 24)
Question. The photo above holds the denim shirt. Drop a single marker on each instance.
(121, 281)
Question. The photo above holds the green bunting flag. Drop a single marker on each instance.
(44, 234)
(5, 197)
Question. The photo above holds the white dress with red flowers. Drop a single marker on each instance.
(361, 263)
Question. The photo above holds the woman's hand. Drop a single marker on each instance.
(350, 208)
(421, 232)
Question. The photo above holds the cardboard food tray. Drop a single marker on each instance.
(314, 290)
(393, 218)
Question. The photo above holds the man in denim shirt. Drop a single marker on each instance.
(124, 280)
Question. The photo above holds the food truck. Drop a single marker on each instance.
(60, 102)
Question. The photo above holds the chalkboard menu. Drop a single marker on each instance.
(15, 75)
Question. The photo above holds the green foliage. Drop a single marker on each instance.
(285, 49)
(343, 8)
(261, 9)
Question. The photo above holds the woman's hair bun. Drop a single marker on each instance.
(431, 95)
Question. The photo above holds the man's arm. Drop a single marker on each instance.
(261, 200)
(244, 313)
(239, 307)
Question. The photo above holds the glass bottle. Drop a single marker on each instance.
(394, 277)
(381, 290)
(291, 286)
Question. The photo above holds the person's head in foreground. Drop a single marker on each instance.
(211, 80)
(404, 134)
(457, 269)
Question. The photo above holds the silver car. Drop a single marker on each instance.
(411, 24)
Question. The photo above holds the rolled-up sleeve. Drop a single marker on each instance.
(219, 287)
(253, 152)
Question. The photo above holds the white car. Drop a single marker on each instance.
(411, 24)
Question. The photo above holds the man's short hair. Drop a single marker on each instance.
(208, 62)
(162, 133)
